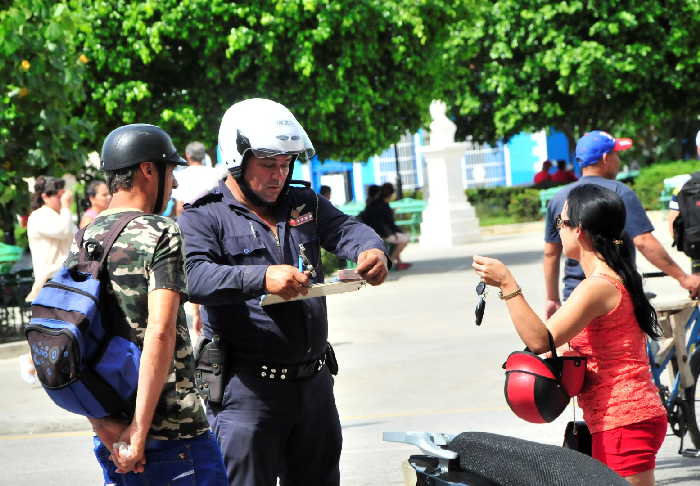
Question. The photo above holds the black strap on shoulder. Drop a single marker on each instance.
(107, 241)
(554, 362)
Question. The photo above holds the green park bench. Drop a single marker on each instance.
(9, 254)
(545, 196)
(670, 185)
(408, 213)
(353, 208)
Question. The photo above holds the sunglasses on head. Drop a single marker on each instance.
(481, 304)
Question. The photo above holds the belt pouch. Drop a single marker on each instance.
(331, 361)
(210, 369)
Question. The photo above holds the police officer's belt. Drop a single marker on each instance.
(281, 372)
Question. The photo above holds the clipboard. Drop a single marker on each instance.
(316, 290)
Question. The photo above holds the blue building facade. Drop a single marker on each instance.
(506, 164)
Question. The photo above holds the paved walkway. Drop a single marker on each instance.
(410, 357)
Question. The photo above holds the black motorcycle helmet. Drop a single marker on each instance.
(130, 145)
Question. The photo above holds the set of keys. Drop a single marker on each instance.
(305, 264)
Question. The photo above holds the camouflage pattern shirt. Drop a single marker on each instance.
(146, 256)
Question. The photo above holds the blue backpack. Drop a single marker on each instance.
(86, 358)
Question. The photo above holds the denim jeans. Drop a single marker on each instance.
(184, 462)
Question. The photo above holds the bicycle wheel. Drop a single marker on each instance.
(692, 396)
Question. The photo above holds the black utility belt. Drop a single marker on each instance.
(213, 366)
(280, 372)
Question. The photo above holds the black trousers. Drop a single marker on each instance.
(289, 430)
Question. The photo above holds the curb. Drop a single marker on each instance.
(511, 229)
(657, 217)
(13, 349)
(20, 426)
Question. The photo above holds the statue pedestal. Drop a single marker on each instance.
(448, 219)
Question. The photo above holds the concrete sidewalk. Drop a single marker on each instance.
(410, 358)
(27, 409)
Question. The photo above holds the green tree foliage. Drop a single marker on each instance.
(356, 74)
(630, 67)
(43, 83)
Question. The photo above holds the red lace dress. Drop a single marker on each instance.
(618, 389)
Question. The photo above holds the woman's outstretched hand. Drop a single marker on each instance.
(493, 272)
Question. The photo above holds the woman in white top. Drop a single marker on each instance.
(50, 229)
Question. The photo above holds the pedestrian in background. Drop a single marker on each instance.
(325, 192)
(562, 174)
(606, 319)
(379, 216)
(597, 154)
(50, 229)
(197, 178)
(97, 197)
(543, 178)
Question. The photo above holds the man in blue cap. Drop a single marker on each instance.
(597, 155)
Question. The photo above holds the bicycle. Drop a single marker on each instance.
(679, 353)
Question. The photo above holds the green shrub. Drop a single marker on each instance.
(414, 194)
(525, 205)
(650, 182)
(505, 204)
(21, 236)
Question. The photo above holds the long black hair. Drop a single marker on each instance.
(601, 213)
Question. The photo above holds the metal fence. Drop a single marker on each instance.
(406, 150)
(484, 166)
(14, 311)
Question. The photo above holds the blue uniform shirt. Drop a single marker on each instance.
(228, 249)
(636, 223)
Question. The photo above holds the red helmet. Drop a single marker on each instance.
(573, 372)
(538, 390)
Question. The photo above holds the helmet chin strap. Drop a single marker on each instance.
(158, 206)
(237, 173)
(254, 198)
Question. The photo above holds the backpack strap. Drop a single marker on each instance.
(92, 265)
(115, 231)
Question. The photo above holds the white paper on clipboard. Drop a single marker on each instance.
(316, 290)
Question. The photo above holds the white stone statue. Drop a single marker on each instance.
(442, 129)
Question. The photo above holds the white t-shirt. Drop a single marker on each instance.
(194, 181)
(697, 139)
(50, 235)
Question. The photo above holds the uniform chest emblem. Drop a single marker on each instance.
(302, 219)
(296, 218)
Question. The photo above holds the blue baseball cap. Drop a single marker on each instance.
(593, 145)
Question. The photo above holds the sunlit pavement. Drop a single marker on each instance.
(410, 358)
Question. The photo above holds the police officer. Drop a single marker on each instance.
(250, 236)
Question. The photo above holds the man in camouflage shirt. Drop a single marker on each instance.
(168, 438)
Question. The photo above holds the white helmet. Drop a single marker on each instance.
(264, 127)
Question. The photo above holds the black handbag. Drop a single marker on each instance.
(578, 437)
